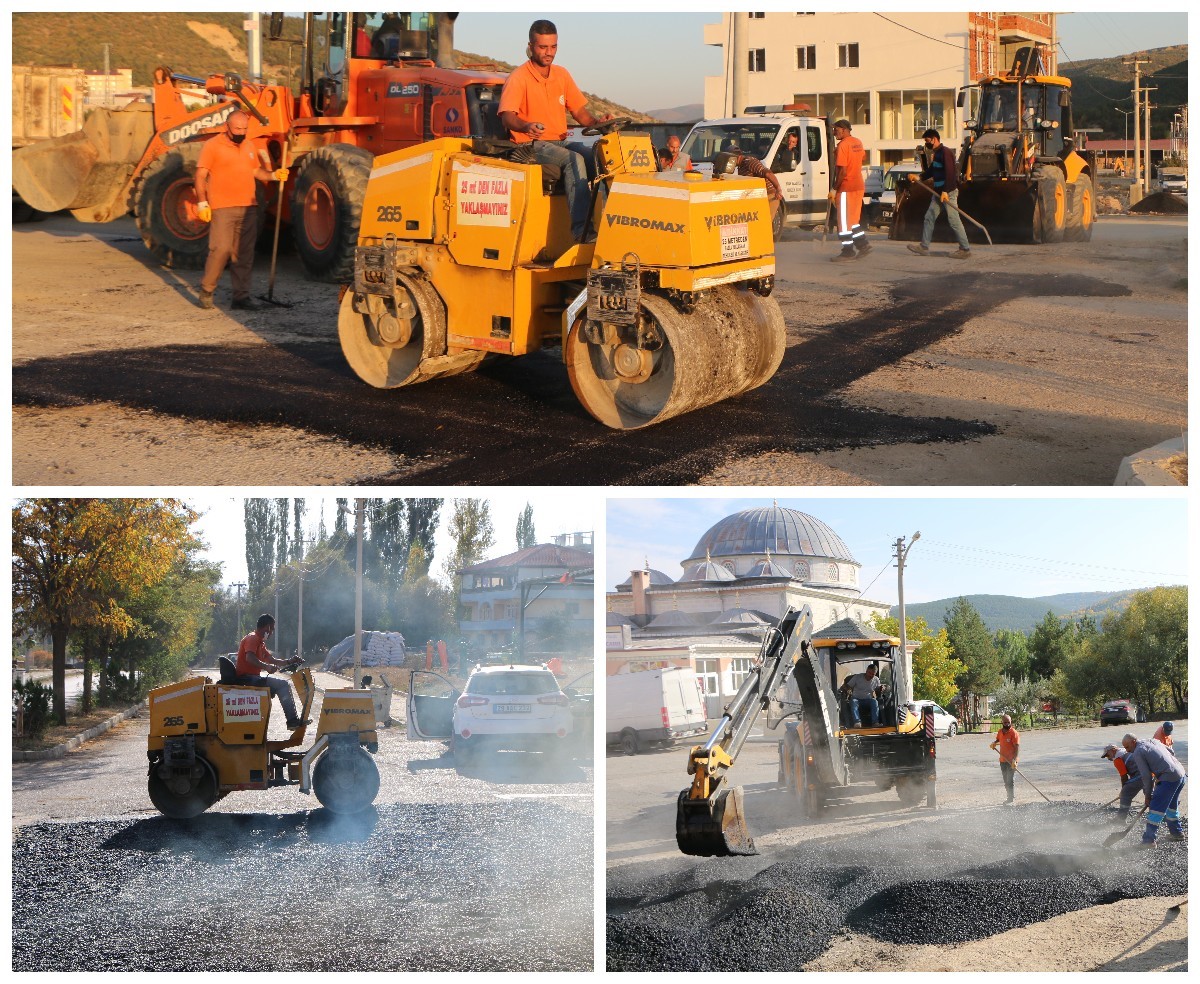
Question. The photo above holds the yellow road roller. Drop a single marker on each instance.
(209, 739)
(465, 252)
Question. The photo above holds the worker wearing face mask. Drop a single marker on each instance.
(227, 198)
(1008, 742)
(943, 172)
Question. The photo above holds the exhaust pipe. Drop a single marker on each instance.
(445, 30)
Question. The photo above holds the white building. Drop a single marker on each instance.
(742, 575)
(891, 75)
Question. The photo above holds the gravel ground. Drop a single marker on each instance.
(953, 880)
(405, 888)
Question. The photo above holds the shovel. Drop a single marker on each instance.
(1111, 839)
(269, 297)
(978, 225)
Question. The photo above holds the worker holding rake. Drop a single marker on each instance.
(1009, 743)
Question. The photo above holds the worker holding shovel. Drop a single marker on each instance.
(1009, 743)
(1158, 766)
(943, 171)
(1130, 780)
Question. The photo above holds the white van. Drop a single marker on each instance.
(653, 707)
(805, 181)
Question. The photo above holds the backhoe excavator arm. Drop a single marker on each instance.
(709, 818)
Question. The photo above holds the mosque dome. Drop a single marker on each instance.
(786, 533)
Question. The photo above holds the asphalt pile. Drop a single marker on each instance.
(944, 880)
(1161, 203)
(405, 888)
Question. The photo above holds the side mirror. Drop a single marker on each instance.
(962, 98)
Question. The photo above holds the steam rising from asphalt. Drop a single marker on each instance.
(946, 879)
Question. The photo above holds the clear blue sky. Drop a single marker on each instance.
(223, 525)
(1014, 546)
(659, 61)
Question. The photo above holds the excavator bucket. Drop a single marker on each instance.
(713, 828)
(87, 171)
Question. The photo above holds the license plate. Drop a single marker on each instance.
(511, 708)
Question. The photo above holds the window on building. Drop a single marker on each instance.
(485, 612)
(832, 573)
(706, 671)
(801, 570)
(848, 55)
(758, 59)
(757, 16)
(728, 565)
(806, 57)
(738, 670)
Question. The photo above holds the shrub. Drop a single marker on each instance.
(38, 700)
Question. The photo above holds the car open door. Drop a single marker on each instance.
(581, 693)
(430, 705)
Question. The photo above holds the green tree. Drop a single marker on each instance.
(1143, 650)
(422, 527)
(283, 551)
(69, 553)
(935, 670)
(526, 536)
(971, 643)
(260, 543)
(470, 528)
(1012, 649)
(1051, 645)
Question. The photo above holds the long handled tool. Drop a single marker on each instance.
(1030, 781)
(978, 225)
(269, 297)
(1104, 807)
(1111, 839)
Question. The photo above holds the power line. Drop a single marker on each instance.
(928, 37)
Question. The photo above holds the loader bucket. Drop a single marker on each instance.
(713, 828)
(1005, 208)
(87, 171)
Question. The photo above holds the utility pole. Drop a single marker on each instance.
(904, 686)
(360, 506)
(239, 608)
(1137, 64)
(300, 588)
(1146, 183)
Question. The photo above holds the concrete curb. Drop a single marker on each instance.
(58, 751)
(1147, 467)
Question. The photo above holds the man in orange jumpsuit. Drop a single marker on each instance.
(1009, 743)
(225, 175)
(847, 193)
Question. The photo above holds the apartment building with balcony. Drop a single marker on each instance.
(544, 591)
(892, 75)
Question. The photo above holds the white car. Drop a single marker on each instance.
(513, 706)
(944, 723)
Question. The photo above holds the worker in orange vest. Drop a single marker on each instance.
(1009, 743)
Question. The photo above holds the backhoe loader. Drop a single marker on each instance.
(209, 739)
(465, 251)
(794, 675)
(1020, 174)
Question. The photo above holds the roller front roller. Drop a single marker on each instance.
(401, 340)
(731, 342)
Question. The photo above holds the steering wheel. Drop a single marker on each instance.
(608, 126)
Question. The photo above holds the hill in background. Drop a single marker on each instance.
(1023, 614)
(1098, 85)
(188, 44)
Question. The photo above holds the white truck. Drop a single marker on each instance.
(1173, 179)
(653, 707)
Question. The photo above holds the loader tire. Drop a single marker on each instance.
(182, 798)
(346, 780)
(163, 202)
(22, 211)
(326, 210)
(1050, 215)
(1082, 215)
